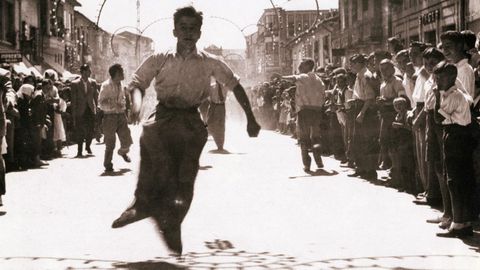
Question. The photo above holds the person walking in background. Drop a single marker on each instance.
(113, 103)
(216, 116)
(309, 98)
(84, 97)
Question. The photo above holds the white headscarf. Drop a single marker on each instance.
(25, 90)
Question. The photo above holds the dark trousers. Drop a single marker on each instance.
(420, 143)
(85, 128)
(23, 145)
(457, 149)
(216, 123)
(403, 163)
(36, 133)
(348, 134)
(3, 188)
(335, 136)
(436, 179)
(365, 146)
(112, 125)
(387, 116)
(170, 148)
(308, 127)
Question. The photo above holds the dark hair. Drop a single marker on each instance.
(113, 69)
(358, 58)
(46, 81)
(387, 62)
(418, 44)
(445, 68)
(28, 79)
(469, 38)
(403, 53)
(433, 52)
(84, 67)
(338, 71)
(188, 11)
(309, 62)
(382, 55)
(320, 70)
(453, 36)
(396, 44)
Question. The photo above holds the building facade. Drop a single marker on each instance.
(365, 25)
(91, 46)
(316, 43)
(426, 20)
(267, 50)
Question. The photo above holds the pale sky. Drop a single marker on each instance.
(118, 13)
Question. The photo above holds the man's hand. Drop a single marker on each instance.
(136, 106)
(253, 128)
(360, 117)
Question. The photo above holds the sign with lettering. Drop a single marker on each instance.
(10, 57)
(430, 17)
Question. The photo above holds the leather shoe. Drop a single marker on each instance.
(173, 239)
(457, 233)
(307, 170)
(436, 220)
(445, 224)
(89, 151)
(371, 175)
(126, 158)
(320, 165)
(129, 216)
(356, 174)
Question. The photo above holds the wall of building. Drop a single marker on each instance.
(473, 16)
(426, 20)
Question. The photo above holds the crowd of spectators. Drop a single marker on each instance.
(413, 111)
(38, 114)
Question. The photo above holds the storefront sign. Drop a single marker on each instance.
(430, 17)
(10, 57)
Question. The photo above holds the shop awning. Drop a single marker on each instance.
(21, 68)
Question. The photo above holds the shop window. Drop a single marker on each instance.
(450, 27)
(291, 26)
(431, 37)
(7, 18)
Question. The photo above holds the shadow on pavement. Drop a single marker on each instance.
(224, 152)
(204, 168)
(474, 242)
(83, 157)
(232, 259)
(319, 172)
(148, 265)
(116, 173)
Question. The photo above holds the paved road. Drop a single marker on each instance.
(253, 209)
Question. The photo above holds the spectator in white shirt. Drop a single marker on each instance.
(452, 110)
(453, 47)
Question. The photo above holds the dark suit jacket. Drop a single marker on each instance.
(81, 99)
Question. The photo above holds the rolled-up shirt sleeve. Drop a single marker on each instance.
(145, 73)
(224, 74)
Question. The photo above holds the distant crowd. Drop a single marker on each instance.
(413, 111)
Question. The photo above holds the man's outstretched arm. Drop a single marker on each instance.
(253, 128)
